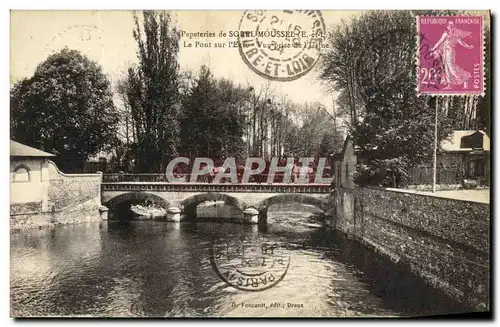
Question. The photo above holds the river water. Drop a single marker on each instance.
(159, 269)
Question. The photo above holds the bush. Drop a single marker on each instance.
(470, 184)
(384, 173)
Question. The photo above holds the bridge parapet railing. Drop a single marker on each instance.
(125, 178)
(219, 187)
(208, 178)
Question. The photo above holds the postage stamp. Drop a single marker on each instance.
(450, 56)
(250, 264)
(281, 45)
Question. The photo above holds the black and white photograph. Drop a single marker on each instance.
(250, 163)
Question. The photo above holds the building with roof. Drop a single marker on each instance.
(42, 195)
(465, 154)
(468, 151)
(29, 178)
(344, 164)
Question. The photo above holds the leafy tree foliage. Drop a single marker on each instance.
(213, 123)
(65, 108)
(153, 91)
(484, 103)
(167, 112)
(315, 132)
(371, 62)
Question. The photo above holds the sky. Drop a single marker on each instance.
(106, 37)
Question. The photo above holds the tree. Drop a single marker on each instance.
(153, 91)
(315, 132)
(231, 101)
(371, 62)
(338, 66)
(127, 128)
(484, 103)
(65, 108)
(280, 124)
(213, 123)
(331, 143)
(260, 106)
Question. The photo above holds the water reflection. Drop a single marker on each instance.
(163, 269)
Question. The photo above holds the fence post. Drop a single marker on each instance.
(121, 176)
(434, 154)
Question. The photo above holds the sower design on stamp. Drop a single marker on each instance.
(450, 55)
(281, 45)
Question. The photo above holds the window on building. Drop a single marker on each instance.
(21, 174)
(346, 171)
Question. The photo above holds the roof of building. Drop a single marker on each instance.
(20, 150)
(453, 142)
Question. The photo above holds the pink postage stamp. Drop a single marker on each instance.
(450, 55)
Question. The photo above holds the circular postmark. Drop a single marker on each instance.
(249, 264)
(281, 45)
(83, 37)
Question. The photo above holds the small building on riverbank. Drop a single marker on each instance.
(42, 195)
(464, 155)
(468, 150)
(29, 178)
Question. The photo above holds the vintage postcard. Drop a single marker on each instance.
(248, 164)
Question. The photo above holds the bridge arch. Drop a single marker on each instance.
(189, 205)
(292, 198)
(118, 204)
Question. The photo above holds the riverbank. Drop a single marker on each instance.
(75, 214)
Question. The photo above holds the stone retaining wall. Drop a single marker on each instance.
(77, 213)
(445, 241)
(72, 198)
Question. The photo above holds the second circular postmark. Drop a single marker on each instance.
(85, 37)
(281, 45)
(249, 264)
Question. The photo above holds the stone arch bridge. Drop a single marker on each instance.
(181, 199)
